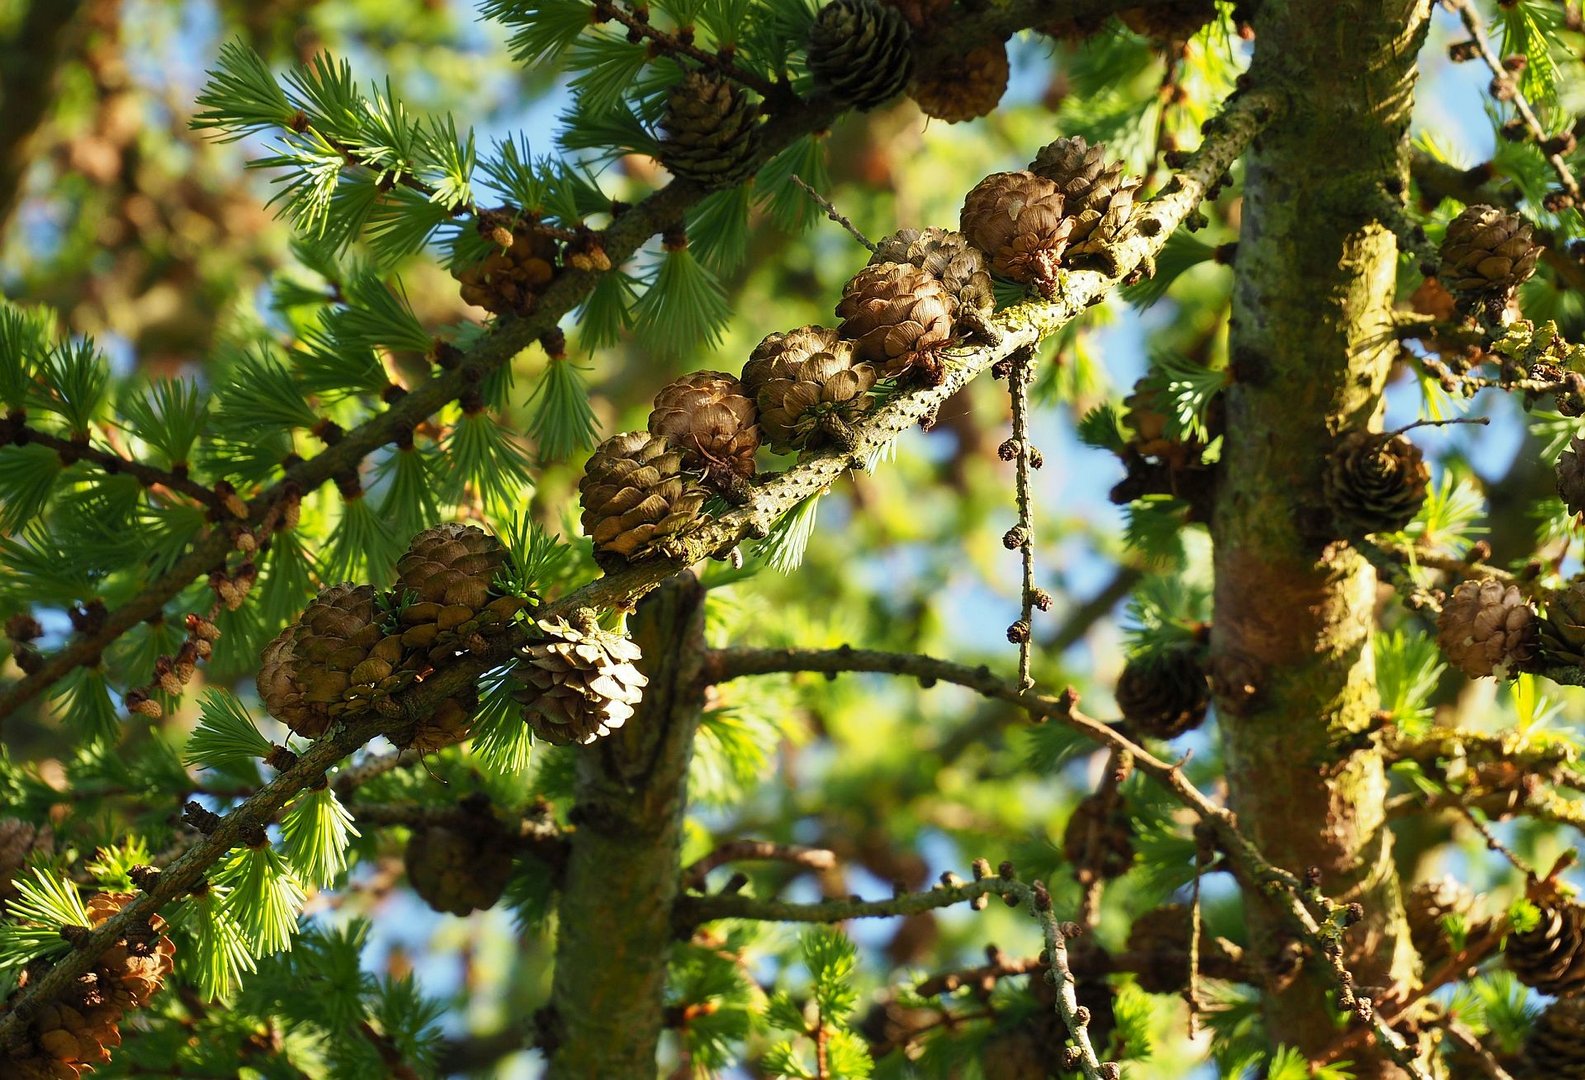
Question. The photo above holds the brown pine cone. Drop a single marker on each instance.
(1488, 628)
(578, 682)
(18, 841)
(713, 422)
(1554, 1049)
(1562, 631)
(509, 281)
(1427, 905)
(898, 317)
(636, 497)
(963, 86)
(445, 591)
(949, 256)
(809, 387)
(1159, 941)
(1374, 482)
(860, 52)
(68, 1039)
(460, 870)
(711, 131)
(1099, 838)
(1164, 693)
(335, 660)
(136, 966)
(1018, 219)
(1097, 194)
(1169, 21)
(1571, 475)
(1487, 252)
(1551, 957)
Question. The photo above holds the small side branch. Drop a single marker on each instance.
(809, 858)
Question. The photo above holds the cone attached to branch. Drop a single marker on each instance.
(508, 281)
(714, 423)
(711, 131)
(1018, 219)
(951, 259)
(578, 682)
(963, 86)
(1098, 195)
(136, 966)
(1374, 482)
(860, 52)
(898, 318)
(1160, 940)
(446, 598)
(1551, 956)
(1487, 253)
(1488, 628)
(1571, 475)
(1169, 21)
(1164, 693)
(336, 659)
(460, 870)
(1099, 838)
(636, 496)
(1555, 1045)
(810, 388)
(1563, 628)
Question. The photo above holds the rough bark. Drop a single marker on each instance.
(1315, 276)
(622, 868)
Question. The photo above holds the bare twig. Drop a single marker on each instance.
(112, 462)
(810, 858)
(833, 213)
(1019, 371)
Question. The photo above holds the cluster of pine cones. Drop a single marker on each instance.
(809, 387)
(72, 1034)
(1550, 957)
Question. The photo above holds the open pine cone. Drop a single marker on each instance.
(1098, 195)
(964, 86)
(1020, 221)
(810, 388)
(578, 682)
(446, 603)
(1571, 475)
(636, 497)
(713, 422)
(1098, 840)
(898, 317)
(949, 257)
(136, 966)
(1551, 957)
(1374, 482)
(1554, 1049)
(1488, 628)
(1487, 252)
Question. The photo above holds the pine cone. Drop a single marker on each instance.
(964, 85)
(1018, 220)
(1426, 905)
(1563, 629)
(444, 589)
(579, 682)
(636, 497)
(1555, 1047)
(709, 418)
(1374, 482)
(897, 317)
(1176, 20)
(1098, 195)
(67, 1038)
(1099, 838)
(920, 13)
(1488, 628)
(136, 966)
(1160, 939)
(334, 660)
(1487, 252)
(948, 256)
(1163, 693)
(1571, 475)
(18, 841)
(460, 870)
(859, 52)
(809, 387)
(711, 129)
(1551, 958)
(509, 281)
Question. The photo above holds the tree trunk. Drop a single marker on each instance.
(622, 870)
(1310, 344)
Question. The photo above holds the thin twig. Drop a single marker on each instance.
(833, 213)
(1019, 372)
(113, 463)
(1473, 1048)
(810, 858)
(1477, 32)
(1492, 842)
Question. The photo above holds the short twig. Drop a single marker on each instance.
(833, 213)
(810, 858)
(1019, 372)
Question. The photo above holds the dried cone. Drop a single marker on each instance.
(1173, 20)
(713, 422)
(18, 841)
(1018, 220)
(1555, 1045)
(134, 968)
(448, 725)
(897, 317)
(1551, 957)
(1427, 905)
(335, 660)
(445, 591)
(460, 870)
(578, 682)
(711, 131)
(948, 256)
(809, 387)
(1571, 475)
(1160, 938)
(1563, 629)
(636, 497)
(859, 52)
(68, 1040)
(1099, 838)
(963, 86)
(509, 281)
(1374, 482)
(1098, 195)
(1488, 628)
(1163, 693)
(1487, 252)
